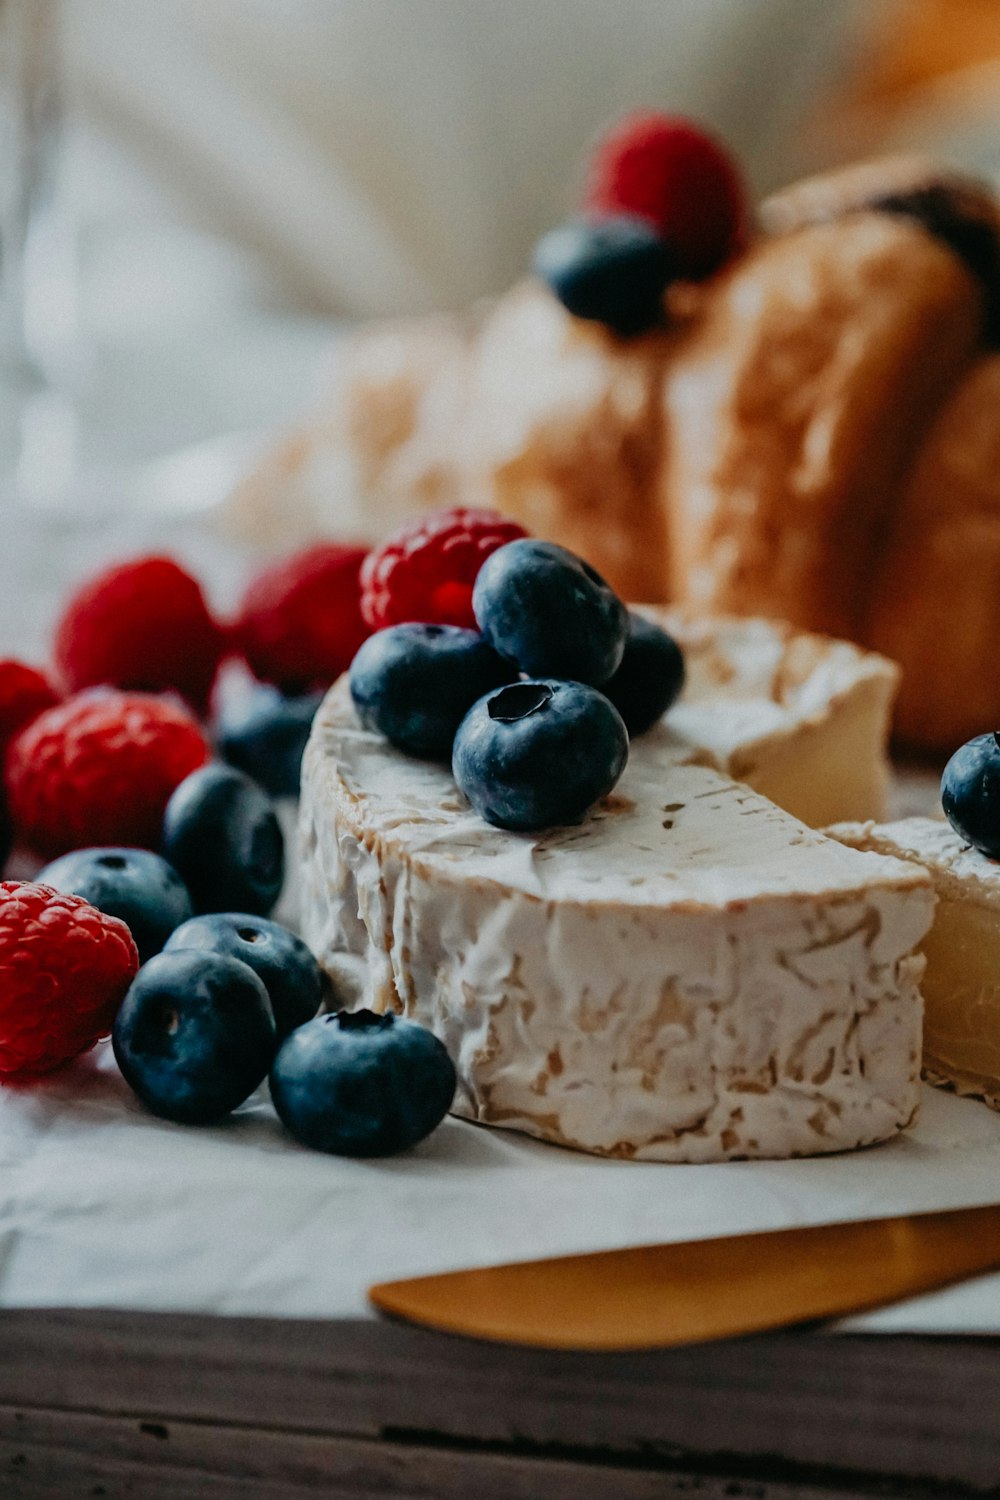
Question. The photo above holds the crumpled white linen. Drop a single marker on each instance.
(103, 1205)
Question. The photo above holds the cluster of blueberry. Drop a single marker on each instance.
(222, 849)
(535, 709)
(233, 999)
(227, 997)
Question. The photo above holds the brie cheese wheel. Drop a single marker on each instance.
(690, 974)
(962, 982)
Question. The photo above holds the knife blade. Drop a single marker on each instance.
(656, 1296)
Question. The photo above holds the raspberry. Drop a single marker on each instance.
(669, 171)
(24, 694)
(142, 625)
(99, 769)
(64, 971)
(425, 571)
(300, 622)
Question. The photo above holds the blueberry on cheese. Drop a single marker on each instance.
(414, 683)
(550, 612)
(970, 793)
(539, 753)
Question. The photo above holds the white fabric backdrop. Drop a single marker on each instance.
(388, 155)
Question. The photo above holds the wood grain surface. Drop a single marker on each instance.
(169, 1406)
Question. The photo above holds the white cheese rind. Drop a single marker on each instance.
(962, 950)
(959, 871)
(689, 975)
(801, 718)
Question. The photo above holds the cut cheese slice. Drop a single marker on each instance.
(962, 982)
(690, 974)
(801, 718)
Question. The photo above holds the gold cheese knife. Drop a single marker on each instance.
(653, 1296)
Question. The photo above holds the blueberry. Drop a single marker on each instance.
(550, 612)
(650, 677)
(265, 737)
(538, 754)
(970, 793)
(358, 1084)
(292, 977)
(611, 270)
(133, 884)
(194, 1036)
(414, 684)
(221, 833)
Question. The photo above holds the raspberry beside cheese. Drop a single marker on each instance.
(64, 970)
(144, 625)
(299, 621)
(99, 769)
(24, 694)
(425, 571)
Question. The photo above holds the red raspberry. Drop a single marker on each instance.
(64, 970)
(99, 769)
(142, 625)
(669, 171)
(24, 694)
(300, 621)
(425, 571)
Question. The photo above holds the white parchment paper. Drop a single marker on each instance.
(103, 1205)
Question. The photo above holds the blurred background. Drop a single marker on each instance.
(196, 196)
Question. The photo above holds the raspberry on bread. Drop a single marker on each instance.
(670, 171)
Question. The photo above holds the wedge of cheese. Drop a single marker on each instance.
(801, 718)
(691, 973)
(962, 981)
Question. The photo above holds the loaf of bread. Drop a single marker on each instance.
(814, 434)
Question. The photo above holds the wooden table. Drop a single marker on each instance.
(177, 1407)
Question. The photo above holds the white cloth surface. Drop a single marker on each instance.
(103, 1205)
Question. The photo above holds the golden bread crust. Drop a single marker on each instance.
(936, 601)
(404, 398)
(564, 434)
(794, 409)
(829, 195)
